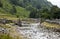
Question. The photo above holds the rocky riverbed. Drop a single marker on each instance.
(33, 32)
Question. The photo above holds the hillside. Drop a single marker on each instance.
(22, 8)
(34, 3)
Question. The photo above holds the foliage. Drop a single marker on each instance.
(30, 8)
(22, 12)
(55, 12)
(23, 8)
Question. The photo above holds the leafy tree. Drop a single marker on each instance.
(0, 4)
(25, 7)
(33, 13)
(14, 1)
(44, 13)
(55, 12)
(13, 10)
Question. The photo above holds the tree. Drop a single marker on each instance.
(14, 2)
(44, 13)
(55, 12)
(33, 13)
(0, 4)
(13, 10)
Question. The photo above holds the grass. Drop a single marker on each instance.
(12, 32)
(51, 25)
(8, 16)
(5, 36)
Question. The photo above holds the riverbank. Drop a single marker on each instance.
(31, 30)
(53, 26)
(36, 32)
(11, 31)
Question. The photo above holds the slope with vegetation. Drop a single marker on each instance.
(13, 9)
(23, 8)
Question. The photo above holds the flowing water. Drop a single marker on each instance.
(33, 32)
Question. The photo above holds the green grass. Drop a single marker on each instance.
(8, 16)
(5, 36)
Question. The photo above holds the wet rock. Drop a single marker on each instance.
(3, 30)
(39, 33)
(5, 21)
(18, 22)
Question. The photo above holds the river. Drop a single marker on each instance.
(33, 31)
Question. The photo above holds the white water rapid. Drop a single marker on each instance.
(33, 32)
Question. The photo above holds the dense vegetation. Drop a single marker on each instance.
(22, 8)
(53, 13)
(29, 8)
